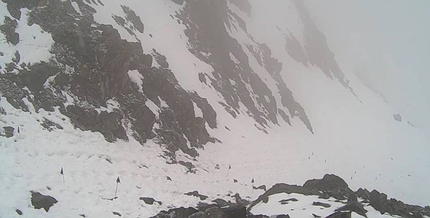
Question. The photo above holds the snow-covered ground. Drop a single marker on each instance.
(359, 141)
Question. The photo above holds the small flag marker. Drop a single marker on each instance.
(117, 182)
(62, 173)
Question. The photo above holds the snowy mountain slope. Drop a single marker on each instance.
(243, 79)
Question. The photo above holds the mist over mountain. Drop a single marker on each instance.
(386, 43)
(127, 108)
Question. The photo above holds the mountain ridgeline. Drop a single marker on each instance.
(87, 78)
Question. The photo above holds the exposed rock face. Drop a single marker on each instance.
(90, 64)
(109, 124)
(317, 51)
(207, 25)
(40, 201)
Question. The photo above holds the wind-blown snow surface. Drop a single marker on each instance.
(359, 141)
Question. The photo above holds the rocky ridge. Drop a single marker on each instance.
(330, 186)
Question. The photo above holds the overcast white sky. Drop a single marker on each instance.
(388, 41)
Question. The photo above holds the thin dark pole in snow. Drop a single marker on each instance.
(62, 173)
(229, 167)
(117, 182)
(252, 185)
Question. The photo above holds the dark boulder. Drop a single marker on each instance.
(328, 182)
(8, 131)
(321, 204)
(397, 117)
(40, 201)
(197, 194)
(331, 184)
(8, 29)
(286, 201)
(149, 201)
